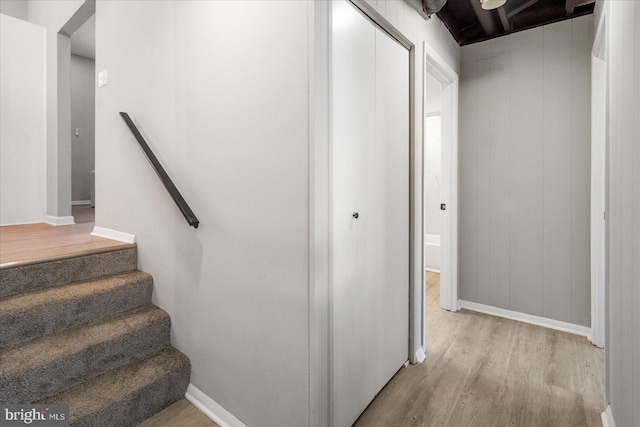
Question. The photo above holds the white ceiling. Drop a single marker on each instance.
(83, 41)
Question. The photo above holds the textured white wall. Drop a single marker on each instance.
(220, 89)
(22, 115)
(16, 8)
(525, 171)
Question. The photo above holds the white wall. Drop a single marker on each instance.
(22, 122)
(221, 91)
(433, 157)
(83, 110)
(433, 95)
(623, 297)
(15, 8)
(525, 171)
(433, 174)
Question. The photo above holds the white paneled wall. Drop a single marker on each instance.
(623, 329)
(525, 171)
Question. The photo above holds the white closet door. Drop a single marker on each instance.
(370, 177)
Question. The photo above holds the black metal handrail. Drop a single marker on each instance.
(162, 174)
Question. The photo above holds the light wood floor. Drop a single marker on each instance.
(487, 371)
(480, 371)
(180, 414)
(83, 213)
(23, 244)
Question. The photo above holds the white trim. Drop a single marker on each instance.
(59, 220)
(80, 202)
(598, 184)
(320, 196)
(607, 418)
(599, 44)
(211, 408)
(420, 355)
(436, 66)
(119, 236)
(20, 223)
(527, 318)
(433, 270)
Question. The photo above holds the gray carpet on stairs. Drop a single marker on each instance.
(83, 332)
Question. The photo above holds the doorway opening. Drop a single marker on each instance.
(83, 66)
(440, 184)
(432, 174)
(440, 171)
(61, 145)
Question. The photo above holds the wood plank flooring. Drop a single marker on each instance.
(83, 213)
(180, 414)
(487, 371)
(480, 370)
(23, 244)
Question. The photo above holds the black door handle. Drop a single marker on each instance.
(356, 215)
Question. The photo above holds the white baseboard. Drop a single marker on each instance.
(527, 318)
(119, 236)
(80, 202)
(607, 418)
(420, 355)
(59, 220)
(19, 223)
(211, 408)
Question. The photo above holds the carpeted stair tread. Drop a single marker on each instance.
(28, 316)
(128, 395)
(20, 279)
(50, 365)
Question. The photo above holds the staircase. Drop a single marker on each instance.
(82, 332)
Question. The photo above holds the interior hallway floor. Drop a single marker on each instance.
(83, 213)
(488, 371)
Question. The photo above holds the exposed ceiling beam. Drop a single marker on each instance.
(485, 18)
(504, 19)
(521, 8)
(572, 4)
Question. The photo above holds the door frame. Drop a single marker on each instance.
(320, 208)
(599, 108)
(437, 67)
(58, 186)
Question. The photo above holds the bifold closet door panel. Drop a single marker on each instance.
(353, 80)
(370, 172)
(388, 233)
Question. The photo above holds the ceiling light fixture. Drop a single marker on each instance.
(492, 4)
